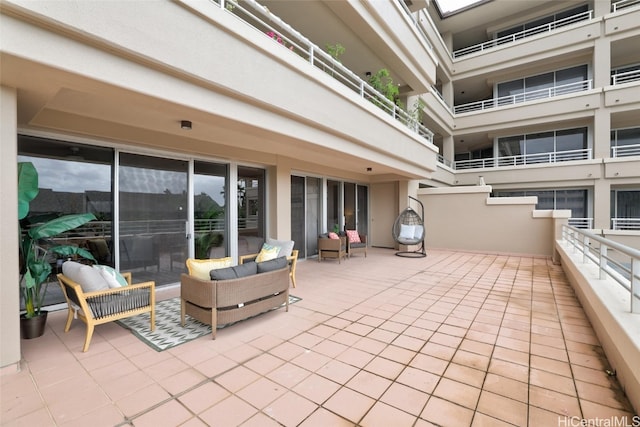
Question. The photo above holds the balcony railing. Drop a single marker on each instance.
(625, 150)
(259, 17)
(584, 16)
(583, 223)
(524, 97)
(524, 159)
(626, 77)
(625, 223)
(445, 162)
(623, 266)
(415, 23)
(623, 4)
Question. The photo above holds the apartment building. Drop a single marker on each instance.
(175, 120)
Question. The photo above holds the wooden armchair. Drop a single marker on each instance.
(357, 247)
(103, 306)
(332, 248)
(291, 259)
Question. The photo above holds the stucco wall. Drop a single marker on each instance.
(466, 218)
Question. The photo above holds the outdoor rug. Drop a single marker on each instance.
(169, 333)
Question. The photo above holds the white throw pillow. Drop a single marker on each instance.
(407, 231)
(89, 278)
(286, 246)
(418, 233)
(111, 276)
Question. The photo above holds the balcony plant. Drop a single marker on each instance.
(34, 266)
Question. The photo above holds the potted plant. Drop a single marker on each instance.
(34, 267)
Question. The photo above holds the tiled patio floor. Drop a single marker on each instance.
(453, 339)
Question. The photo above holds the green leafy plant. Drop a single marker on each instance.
(335, 50)
(383, 83)
(34, 267)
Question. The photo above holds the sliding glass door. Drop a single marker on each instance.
(153, 212)
(210, 210)
(305, 214)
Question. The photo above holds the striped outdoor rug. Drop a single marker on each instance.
(169, 333)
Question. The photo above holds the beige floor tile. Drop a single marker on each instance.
(472, 360)
(323, 418)
(405, 398)
(237, 378)
(170, 413)
(429, 364)
(369, 384)
(465, 375)
(457, 392)
(443, 413)
(385, 368)
(203, 397)
(316, 388)
(231, 411)
(503, 408)
(382, 415)
(554, 401)
(507, 387)
(349, 404)
(337, 371)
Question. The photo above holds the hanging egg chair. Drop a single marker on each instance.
(408, 229)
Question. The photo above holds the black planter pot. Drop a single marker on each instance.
(34, 326)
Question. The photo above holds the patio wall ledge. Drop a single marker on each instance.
(607, 306)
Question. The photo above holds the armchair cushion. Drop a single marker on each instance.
(113, 278)
(200, 268)
(235, 272)
(353, 236)
(89, 278)
(333, 236)
(274, 264)
(286, 246)
(267, 253)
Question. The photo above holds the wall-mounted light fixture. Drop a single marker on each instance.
(369, 169)
(368, 74)
(185, 124)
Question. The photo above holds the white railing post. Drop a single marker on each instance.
(603, 262)
(585, 249)
(635, 269)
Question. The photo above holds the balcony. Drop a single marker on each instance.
(625, 223)
(524, 159)
(625, 77)
(546, 28)
(623, 4)
(447, 339)
(625, 150)
(524, 97)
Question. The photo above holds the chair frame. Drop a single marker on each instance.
(79, 306)
(332, 248)
(352, 250)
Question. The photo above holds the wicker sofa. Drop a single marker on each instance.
(221, 302)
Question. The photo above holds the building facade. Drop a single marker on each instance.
(199, 128)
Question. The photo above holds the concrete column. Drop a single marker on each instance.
(9, 286)
(602, 204)
(447, 93)
(601, 134)
(280, 200)
(448, 148)
(601, 8)
(601, 62)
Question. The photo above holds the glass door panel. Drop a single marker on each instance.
(210, 212)
(363, 209)
(298, 214)
(251, 209)
(153, 217)
(314, 222)
(73, 178)
(349, 206)
(333, 205)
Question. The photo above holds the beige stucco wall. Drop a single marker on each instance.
(9, 291)
(465, 218)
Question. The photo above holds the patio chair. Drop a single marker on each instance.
(332, 248)
(356, 243)
(106, 305)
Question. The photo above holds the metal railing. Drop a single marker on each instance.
(625, 223)
(524, 159)
(445, 162)
(584, 223)
(259, 17)
(617, 261)
(625, 150)
(626, 77)
(415, 23)
(623, 4)
(524, 97)
(584, 16)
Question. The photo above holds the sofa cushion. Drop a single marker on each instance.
(113, 278)
(286, 246)
(89, 278)
(333, 236)
(268, 252)
(353, 236)
(274, 264)
(200, 268)
(235, 272)
(407, 231)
